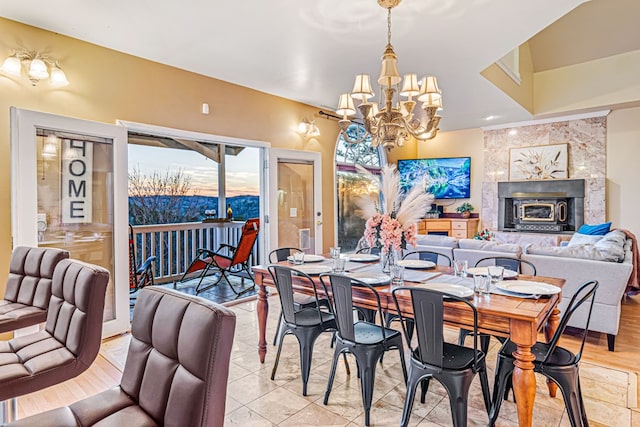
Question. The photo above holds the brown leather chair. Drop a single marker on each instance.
(71, 339)
(28, 290)
(176, 370)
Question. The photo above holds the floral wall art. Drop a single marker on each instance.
(540, 162)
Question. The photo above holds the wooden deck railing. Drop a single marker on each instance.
(175, 245)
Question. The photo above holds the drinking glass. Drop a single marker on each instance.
(397, 275)
(481, 284)
(338, 264)
(495, 273)
(298, 258)
(334, 252)
(460, 267)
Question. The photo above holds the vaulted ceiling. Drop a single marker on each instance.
(310, 51)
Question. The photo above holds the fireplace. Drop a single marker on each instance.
(541, 206)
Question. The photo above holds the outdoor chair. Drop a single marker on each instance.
(28, 290)
(554, 362)
(139, 275)
(306, 323)
(365, 340)
(513, 264)
(300, 301)
(70, 341)
(176, 372)
(227, 259)
(452, 365)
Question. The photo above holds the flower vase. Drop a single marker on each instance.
(387, 259)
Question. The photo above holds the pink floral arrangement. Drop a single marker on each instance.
(391, 215)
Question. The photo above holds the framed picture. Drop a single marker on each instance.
(539, 162)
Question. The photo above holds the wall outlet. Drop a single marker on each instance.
(293, 212)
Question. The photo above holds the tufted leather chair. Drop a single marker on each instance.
(176, 370)
(28, 290)
(71, 339)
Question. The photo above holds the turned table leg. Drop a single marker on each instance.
(524, 384)
(263, 312)
(550, 329)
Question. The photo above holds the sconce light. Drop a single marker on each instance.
(308, 129)
(38, 66)
(50, 148)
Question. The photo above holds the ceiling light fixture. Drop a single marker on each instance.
(387, 122)
(38, 66)
(308, 129)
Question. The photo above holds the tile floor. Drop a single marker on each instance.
(253, 399)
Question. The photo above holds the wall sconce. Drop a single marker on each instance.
(38, 66)
(308, 129)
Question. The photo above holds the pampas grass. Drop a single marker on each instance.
(407, 210)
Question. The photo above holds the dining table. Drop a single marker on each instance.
(519, 317)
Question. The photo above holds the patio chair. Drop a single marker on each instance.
(554, 362)
(139, 275)
(227, 259)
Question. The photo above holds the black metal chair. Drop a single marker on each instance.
(552, 361)
(306, 323)
(365, 340)
(368, 250)
(300, 301)
(435, 257)
(452, 365)
(509, 263)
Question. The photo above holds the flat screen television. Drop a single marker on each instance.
(445, 178)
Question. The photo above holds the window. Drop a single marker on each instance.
(351, 184)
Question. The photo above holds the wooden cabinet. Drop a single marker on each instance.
(454, 227)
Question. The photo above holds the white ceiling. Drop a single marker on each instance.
(310, 50)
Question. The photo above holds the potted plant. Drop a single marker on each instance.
(465, 209)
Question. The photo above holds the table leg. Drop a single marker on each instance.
(263, 312)
(550, 329)
(524, 384)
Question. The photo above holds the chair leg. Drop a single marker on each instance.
(569, 384)
(412, 385)
(457, 387)
(504, 369)
(275, 364)
(336, 355)
(306, 341)
(367, 378)
(8, 410)
(275, 337)
(462, 335)
(424, 387)
(484, 384)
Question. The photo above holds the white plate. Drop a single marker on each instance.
(309, 258)
(362, 257)
(416, 263)
(371, 278)
(313, 269)
(483, 271)
(457, 290)
(528, 287)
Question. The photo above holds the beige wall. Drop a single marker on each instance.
(107, 85)
(623, 169)
(461, 143)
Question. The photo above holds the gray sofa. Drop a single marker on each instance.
(574, 264)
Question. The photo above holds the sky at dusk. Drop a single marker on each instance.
(242, 170)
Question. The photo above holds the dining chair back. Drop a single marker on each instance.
(305, 323)
(452, 365)
(554, 362)
(509, 263)
(28, 290)
(367, 341)
(281, 254)
(435, 257)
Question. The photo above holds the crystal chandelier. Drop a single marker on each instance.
(391, 121)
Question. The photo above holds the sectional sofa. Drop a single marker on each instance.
(608, 261)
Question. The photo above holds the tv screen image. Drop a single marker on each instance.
(445, 178)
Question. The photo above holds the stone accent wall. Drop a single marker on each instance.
(586, 140)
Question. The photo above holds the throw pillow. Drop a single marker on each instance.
(583, 239)
(596, 229)
(484, 245)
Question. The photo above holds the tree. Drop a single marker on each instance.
(158, 198)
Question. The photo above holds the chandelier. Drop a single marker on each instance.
(391, 121)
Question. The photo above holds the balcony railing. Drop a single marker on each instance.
(176, 245)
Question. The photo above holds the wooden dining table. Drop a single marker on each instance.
(520, 319)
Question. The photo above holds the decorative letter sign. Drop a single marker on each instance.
(77, 181)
